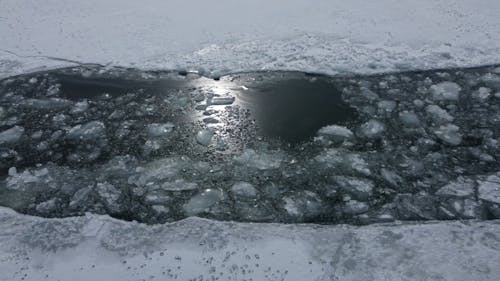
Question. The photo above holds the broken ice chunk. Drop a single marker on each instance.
(409, 119)
(261, 161)
(88, 131)
(438, 115)
(386, 106)
(202, 201)
(445, 91)
(372, 129)
(244, 190)
(360, 189)
(336, 133)
(11, 136)
(450, 134)
(461, 187)
(225, 100)
(156, 130)
(204, 137)
(489, 188)
(353, 207)
(110, 196)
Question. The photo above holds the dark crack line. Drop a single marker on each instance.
(53, 58)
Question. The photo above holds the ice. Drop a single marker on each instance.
(202, 201)
(261, 161)
(156, 130)
(158, 171)
(79, 107)
(350, 163)
(360, 189)
(461, 187)
(90, 131)
(244, 190)
(391, 177)
(204, 137)
(225, 100)
(179, 185)
(438, 115)
(415, 207)
(303, 205)
(47, 207)
(450, 134)
(336, 133)
(110, 196)
(492, 80)
(489, 188)
(445, 91)
(353, 207)
(47, 104)
(372, 129)
(11, 136)
(482, 94)
(386, 106)
(409, 119)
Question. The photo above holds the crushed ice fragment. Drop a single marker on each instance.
(11, 136)
(409, 119)
(372, 129)
(156, 130)
(88, 131)
(489, 188)
(202, 201)
(358, 188)
(225, 100)
(386, 106)
(438, 115)
(336, 133)
(450, 134)
(354, 207)
(261, 161)
(445, 91)
(204, 137)
(461, 187)
(244, 190)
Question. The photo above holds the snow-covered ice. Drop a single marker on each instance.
(100, 248)
(326, 36)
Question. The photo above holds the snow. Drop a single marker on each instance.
(327, 37)
(100, 248)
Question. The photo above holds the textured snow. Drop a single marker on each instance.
(325, 36)
(100, 248)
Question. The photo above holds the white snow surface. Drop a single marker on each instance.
(323, 36)
(101, 248)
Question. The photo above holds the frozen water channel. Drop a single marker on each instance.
(253, 147)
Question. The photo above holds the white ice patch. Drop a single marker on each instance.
(100, 248)
(331, 36)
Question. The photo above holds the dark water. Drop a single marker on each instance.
(287, 106)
